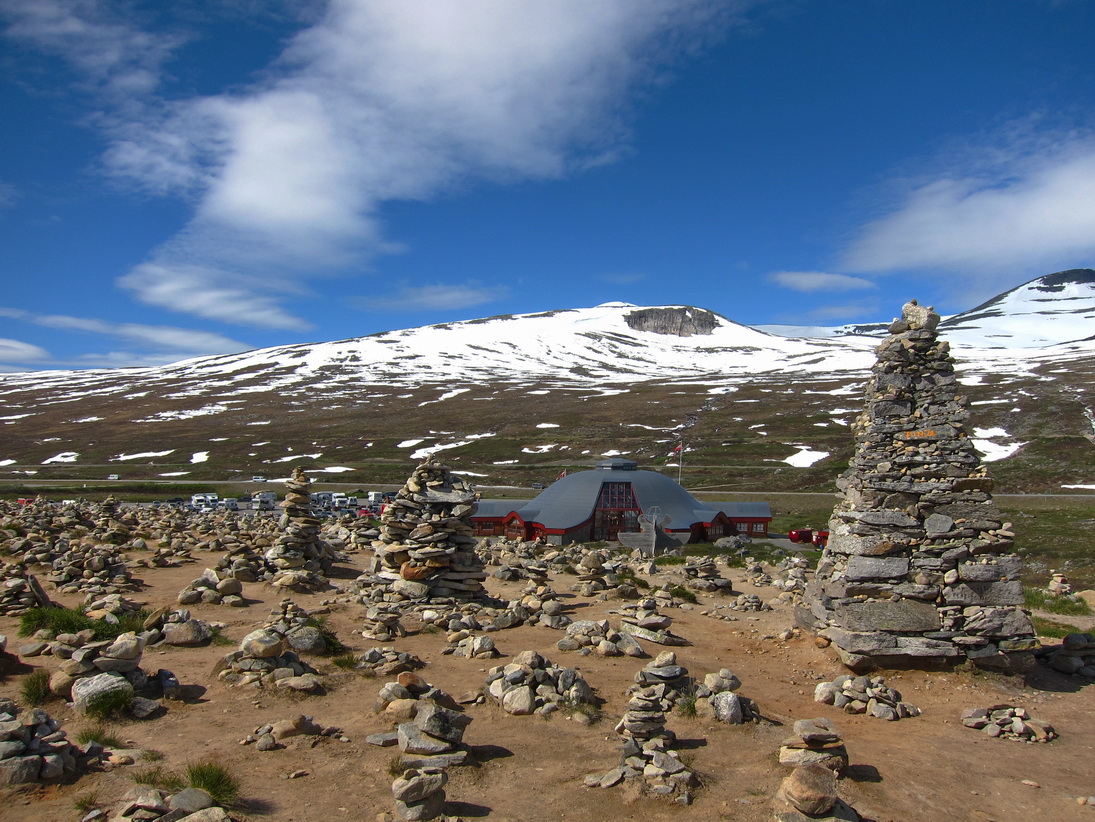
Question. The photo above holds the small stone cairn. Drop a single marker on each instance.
(91, 569)
(727, 706)
(301, 559)
(265, 657)
(176, 628)
(664, 673)
(33, 748)
(702, 574)
(919, 563)
(647, 751)
(210, 589)
(645, 621)
(420, 794)
(815, 742)
(532, 685)
(426, 547)
(20, 591)
(429, 731)
(810, 792)
(1008, 722)
(84, 658)
(864, 695)
(272, 735)
(1075, 655)
(388, 662)
(588, 636)
(151, 805)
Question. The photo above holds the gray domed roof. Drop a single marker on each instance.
(569, 501)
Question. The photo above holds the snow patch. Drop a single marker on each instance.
(546, 425)
(199, 456)
(64, 456)
(142, 455)
(805, 457)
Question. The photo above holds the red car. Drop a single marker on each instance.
(807, 535)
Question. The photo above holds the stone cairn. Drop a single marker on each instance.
(532, 685)
(1075, 655)
(267, 657)
(211, 589)
(426, 547)
(429, 731)
(33, 748)
(20, 591)
(647, 752)
(420, 794)
(1008, 722)
(814, 742)
(301, 558)
(919, 563)
(864, 695)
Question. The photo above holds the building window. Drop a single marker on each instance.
(757, 527)
(616, 511)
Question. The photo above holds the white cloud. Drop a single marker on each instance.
(175, 343)
(1025, 206)
(819, 281)
(435, 297)
(17, 351)
(376, 100)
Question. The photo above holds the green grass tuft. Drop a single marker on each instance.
(347, 661)
(100, 734)
(1053, 629)
(85, 802)
(686, 706)
(157, 777)
(71, 621)
(109, 705)
(680, 592)
(215, 779)
(35, 689)
(1038, 600)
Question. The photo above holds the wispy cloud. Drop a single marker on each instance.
(1023, 205)
(376, 100)
(622, 277)
(432, 297)
(16, 351)
(168, 343)
(819, 281)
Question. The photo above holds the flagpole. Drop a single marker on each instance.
(680, 464)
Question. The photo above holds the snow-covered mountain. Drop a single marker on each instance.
(611, 344)
(512, 395)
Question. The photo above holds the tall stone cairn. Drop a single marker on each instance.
(426, 547)
(301, 558)
(919, 564)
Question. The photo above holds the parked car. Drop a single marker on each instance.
(801, 535)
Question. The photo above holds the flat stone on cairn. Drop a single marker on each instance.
(919, 563)
(815, 742)
(420, 794)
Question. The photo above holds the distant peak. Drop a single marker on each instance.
(616, 304)
(1077, 276)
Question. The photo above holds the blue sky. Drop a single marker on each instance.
(182, 179)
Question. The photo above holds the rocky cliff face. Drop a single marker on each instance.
(676, 321)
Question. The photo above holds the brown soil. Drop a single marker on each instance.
(530, 769)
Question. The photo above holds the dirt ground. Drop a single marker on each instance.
(530, 769)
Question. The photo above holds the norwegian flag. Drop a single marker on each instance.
(677, 450)
(562, 474)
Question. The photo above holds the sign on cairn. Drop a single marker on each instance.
(919, 564)
(426, 547)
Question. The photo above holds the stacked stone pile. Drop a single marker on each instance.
(864, 695)
(815, 742)
(719, 690)
(300, 558)
(791, 575)
(810, 792)
(111, 608)
(382, 623)
(244, 562)
(388, 662)
(702, 574)
(85, 657)
(919, 563)
(645, 621)
(1075, 655)
(272, 735)
(429, 731)
(420, 794)
(20, 591)
(588, 636)
(33, 748)
(665, 673)
(426, 547)
(471, 646)
(539, 605)
(92, 569)
(176, 628)
(647, 752)
(267, 657)
(149, 804)
(1008, 722)
(211, 589)
(1058, 585)
(531, 684)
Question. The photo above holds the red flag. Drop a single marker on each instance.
(562, 474)
(678, 448)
